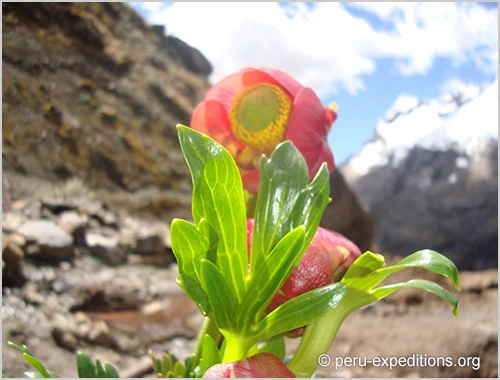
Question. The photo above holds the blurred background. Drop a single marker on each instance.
(92, 173)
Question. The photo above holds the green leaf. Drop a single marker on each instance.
(286, 201)
(86, 367)
(279, 188)
(179, 369)
(309, 206)
(23, 349)
(100, 370)
(210, 354)
(221, 296)
(361, 281)
(156, 362)
(428, 260)
(272, 274)
(111, 371)
(190, 244)
(30, 358)
(300, 311)
(218, 198)
(275, 346)
(167, 364)
(367, 272)
(35, 363)
(364, 265)
(428, 286)
(194, 290)
(189, 363)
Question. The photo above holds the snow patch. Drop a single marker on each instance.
(453, 178)
(371, 155)
(402, 105)
(462, 162)
(472, 124)
(406, 129)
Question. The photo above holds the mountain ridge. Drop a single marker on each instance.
(436, 187)
(431, 123)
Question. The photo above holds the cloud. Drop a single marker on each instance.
(328, 46)
(460, 32)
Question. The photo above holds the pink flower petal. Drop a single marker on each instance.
(330, 115)
(285, 80)
(308, 130)
(323, 154)
(211, 118)
(251, 181)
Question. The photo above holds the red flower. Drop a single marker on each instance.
(257, 366)
(253, 110)
(325, 261)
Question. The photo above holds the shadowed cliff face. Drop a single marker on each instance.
(90, 90)
(429, 176)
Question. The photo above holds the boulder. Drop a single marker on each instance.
(106, 248)
(52, 244)
(12, 258)
(346, 215)
(75, 224)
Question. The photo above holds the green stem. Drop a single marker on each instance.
(317, 340)
(208, 327)
(236, 347)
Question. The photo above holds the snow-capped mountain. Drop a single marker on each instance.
(464, 120)
(430, 176)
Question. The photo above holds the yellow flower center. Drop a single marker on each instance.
(259, 116)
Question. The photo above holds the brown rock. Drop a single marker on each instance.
(346, 215)
(151, 240)
(64, 339)
(12, 256)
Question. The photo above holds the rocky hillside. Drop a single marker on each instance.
(430, 177)
(91, 91)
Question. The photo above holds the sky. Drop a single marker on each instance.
(360, 55)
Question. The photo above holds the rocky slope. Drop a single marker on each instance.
(430, 177)
(90, 90)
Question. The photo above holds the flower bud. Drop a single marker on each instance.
(325, 261)
(258, 366)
